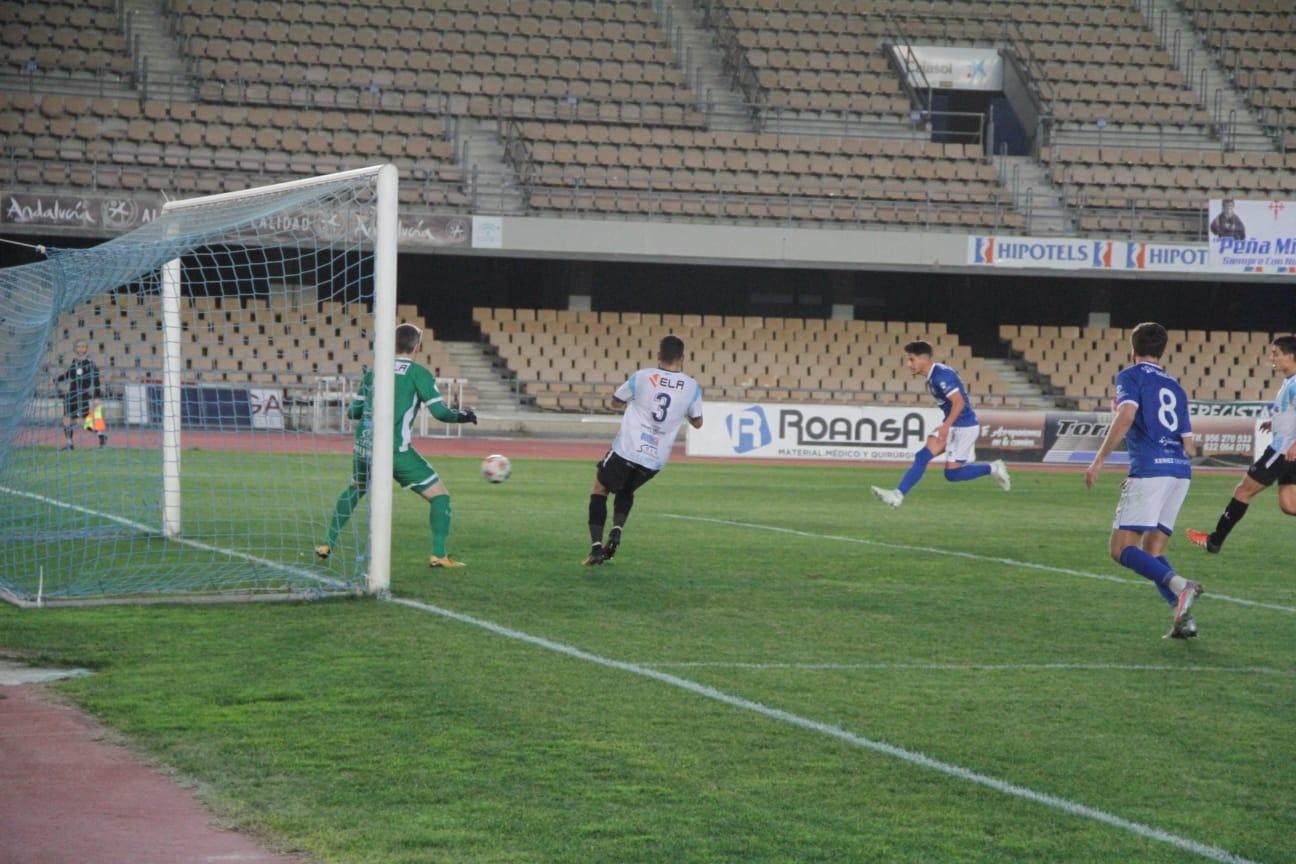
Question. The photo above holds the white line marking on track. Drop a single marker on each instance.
(194, 544)
(955, 553)
(1146, 831)
(970, 667)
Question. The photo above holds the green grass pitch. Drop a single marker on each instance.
(362, 731)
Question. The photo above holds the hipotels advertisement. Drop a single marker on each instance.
(873, 433)
(1053, 253)
(812, 431)
(1253, 236)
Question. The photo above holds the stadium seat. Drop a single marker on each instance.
(829, 360)
(1080, 364)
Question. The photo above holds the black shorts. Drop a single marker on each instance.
(621, 475)
(1271, 467)
(76, 405)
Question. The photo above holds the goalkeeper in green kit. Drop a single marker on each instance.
(415, 386)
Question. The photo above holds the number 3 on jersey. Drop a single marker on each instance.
(663, 401)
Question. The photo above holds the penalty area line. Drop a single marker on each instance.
(913, 758)
(956, 553)
(184, 541)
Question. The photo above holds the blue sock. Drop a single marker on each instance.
(1170, 597)
(915, 472)
(967, 472)
(1145, 565)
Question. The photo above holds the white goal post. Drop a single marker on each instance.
(190, 320)
(386, 235)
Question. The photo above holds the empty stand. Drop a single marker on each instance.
(64, 37)
(572, 361)
(1151, 191)
(232, 341)
(1082, 363)
(598, 167)
(122, 143)
(1255, 41)
(486, 57)
(1099, 59)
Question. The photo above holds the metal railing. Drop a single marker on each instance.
(733, 55)
(913, 78)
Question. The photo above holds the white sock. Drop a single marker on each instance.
(1178, 583)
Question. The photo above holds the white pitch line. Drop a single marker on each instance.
(1212, 853)
(955, 553)
(972, 667)
(195, 544)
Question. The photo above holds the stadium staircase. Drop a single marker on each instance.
(1206, 77)
(492, 182)
(478, 363)
(1021, 384)
(1035, 195)
(702, 65)
(159, 65)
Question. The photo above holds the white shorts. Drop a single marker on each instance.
(961, 444)
(1150, 503)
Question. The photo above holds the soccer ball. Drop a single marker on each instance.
(496, 468)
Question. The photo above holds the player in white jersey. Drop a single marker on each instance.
(657, 400)
(1276, 464)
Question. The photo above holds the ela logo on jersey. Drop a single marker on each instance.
(661, 382)
(748, 429)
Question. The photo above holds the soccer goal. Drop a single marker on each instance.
(163, 431)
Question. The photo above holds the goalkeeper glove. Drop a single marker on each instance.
(468, 416)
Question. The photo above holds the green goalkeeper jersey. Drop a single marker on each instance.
(361, 411)
(415, 386)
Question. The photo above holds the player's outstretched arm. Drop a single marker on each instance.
(443, 412)
(695, 422)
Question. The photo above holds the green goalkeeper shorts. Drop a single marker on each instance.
(412, 471)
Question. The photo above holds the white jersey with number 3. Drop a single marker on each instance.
(657, 403)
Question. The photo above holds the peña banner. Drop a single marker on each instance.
(1253, 236)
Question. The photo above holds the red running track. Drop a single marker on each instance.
(69, 797)
(468, 445)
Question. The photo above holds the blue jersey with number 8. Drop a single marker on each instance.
(1155, 441)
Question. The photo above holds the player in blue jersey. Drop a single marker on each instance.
(1276, 464)
(956, 437)
(1152, 417)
